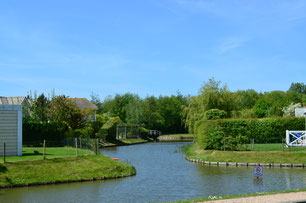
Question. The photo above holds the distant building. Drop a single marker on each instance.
(300, 112)
(87, 106)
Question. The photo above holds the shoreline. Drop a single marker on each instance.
(55, 182)
(245, 164)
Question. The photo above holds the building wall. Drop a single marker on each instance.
(11, 129)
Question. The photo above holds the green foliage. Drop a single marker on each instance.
(86, 132)
(298, 88)
(144, 133)
(262, 108)
(98, 123)
(210, 134)
(61, 109)
(33, 133)
(108, 130)
(214, 114)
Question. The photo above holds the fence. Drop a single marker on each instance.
(126, 132)
(56, 148)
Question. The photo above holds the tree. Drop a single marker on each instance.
(60, 109)
(298, 88)
(262, 108)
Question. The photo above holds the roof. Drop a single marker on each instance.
(83, 103)
(12, 100)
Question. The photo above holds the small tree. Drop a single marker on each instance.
(61, 109)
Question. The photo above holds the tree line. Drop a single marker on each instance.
(169, 114)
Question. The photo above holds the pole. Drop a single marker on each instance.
(76, 146)
(44, 150)
(283, 143)
(80, 143)
(224, 144)
(97, 148)
(4, 152)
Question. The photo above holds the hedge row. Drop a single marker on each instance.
(33, 133)
(210, 134)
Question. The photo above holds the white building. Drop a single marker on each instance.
(11, 129)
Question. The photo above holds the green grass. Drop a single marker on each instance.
(123, 142)
(51, 152)
(177, 135)
(274, 147)
(239, 196)
(264, 156)
(62, 169)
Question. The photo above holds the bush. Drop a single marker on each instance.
(87, 132)
(214, 114)
(144, 133)
(33, 133)
(108, 130)
(210, 134)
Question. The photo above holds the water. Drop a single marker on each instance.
(163, 174)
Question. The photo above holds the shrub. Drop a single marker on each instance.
(210, 134)
(144, 133)
(214, 114)
(108, 130)
(33, 133)
(87, 132)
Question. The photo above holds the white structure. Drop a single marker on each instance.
(296, 138)
(11, 129)
(300, 112)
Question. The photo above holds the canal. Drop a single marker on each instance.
(163, 174)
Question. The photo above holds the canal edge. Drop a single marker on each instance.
(64, 181)
(237, 164)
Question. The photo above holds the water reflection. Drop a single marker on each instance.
(163, 174)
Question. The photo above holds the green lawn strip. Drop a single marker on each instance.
(239, 196)
(177, 135)
(62, 169)
(51, 152)
(275, 147)
(194, 152)
(123, 142)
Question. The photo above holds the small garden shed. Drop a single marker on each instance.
(11, 129)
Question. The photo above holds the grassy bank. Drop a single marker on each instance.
(193, 151)
(124, 142)
(51, 152)
(239, 196)
(62, 169)
(177, 135)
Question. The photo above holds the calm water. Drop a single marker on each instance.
(163, 174)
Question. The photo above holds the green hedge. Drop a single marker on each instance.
(211, 134)
(108, 130)
(33, 133)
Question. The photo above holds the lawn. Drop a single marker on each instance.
(62, 169)
(177, 135)
(275, 147)
(51, 152)
(123, 142)
(267, 154)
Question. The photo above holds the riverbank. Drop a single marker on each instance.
(291, 158)
(176, 137)
(125, 142)
(62, 170)
(273, 196)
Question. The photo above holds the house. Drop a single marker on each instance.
(24, 101)
(11, 129)
(87, 106)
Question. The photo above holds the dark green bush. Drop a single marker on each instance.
(33, 133)
(144, 133)
(214, 114)
(211, 134)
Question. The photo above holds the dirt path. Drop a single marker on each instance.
(276, 198)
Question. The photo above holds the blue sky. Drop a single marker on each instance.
(150, 47)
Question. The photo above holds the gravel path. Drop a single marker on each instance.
(275, 198)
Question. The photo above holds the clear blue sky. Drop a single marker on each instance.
(150, 47)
